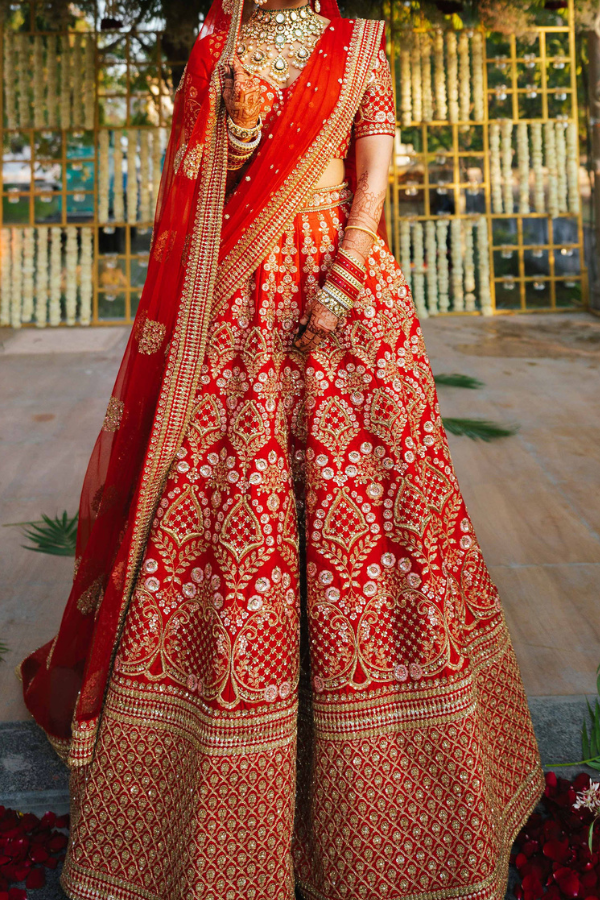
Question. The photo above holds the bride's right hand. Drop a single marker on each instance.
(241, 94)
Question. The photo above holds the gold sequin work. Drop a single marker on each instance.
(114, 414)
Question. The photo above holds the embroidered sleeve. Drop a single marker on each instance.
(377, 114)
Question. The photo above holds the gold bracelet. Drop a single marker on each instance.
(360, 228)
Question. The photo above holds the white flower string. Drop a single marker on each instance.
(51, 81)
(65, 82)
(5, 266)
(10, 97)
(425, 42)
(507, 155)
(561, 166)
(483, 265)
(132, 186)
(523, 164)
(550, 154)
(55, 276)
(145, 213)
(478, 95)
(86, 289)
(39, 117)
(89, 83)
(23, 71)
(452, 76)
(71, 276)
(103, 176)
(16, 295)
(456, 255)
(118, 199)
(432, 277)
(464, 77)
(469, 267)
(495, 168)
(572, 168)
(405, 250)
(441, 227)
(539, 194)
(41, 282)
(441, 105)
(405, 86)
(415, 73)
(76, 82)
(156, 165)
(28, 259)
(419, 270)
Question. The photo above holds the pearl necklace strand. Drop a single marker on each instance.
(271, 39)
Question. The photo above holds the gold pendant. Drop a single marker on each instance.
(317, 6)
(280, 69)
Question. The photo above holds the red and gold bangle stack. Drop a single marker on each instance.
(344, 284)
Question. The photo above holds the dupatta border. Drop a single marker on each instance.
(286, 202)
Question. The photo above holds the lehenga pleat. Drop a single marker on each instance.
(315, 685)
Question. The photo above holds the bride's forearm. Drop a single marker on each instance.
(372, 165)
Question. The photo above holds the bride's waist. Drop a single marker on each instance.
(333, 175)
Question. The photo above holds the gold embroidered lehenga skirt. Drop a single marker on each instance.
(315, 685)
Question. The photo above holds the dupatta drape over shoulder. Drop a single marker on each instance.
(201, 253)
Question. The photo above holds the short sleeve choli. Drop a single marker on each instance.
(376, 113)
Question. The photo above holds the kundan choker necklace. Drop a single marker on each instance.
(271, 39)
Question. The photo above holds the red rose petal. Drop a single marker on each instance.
(58, 842)
(17, 894)
(556, 850)
(568, 881)
(36, 879)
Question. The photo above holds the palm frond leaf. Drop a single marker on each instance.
(478, 429)
(3, 650)
(55, 536)
(455, 379)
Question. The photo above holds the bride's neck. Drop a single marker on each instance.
(284, 4)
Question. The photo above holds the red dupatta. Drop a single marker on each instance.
(202, 252)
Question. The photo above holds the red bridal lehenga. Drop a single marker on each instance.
(283, 662)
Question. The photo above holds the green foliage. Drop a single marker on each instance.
(458, 380)
(3, 650)
(478, 429)
(55, 536)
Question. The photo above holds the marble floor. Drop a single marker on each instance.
(534, 497)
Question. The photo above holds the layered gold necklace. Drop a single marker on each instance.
(272, 40)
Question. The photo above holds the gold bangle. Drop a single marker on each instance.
(366, 230)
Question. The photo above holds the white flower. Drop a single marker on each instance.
(118, 199)
(561, 166)
(86, 286)
(478, 96)
(28, 254)
(38, 82)
(89, 83)
(441, 106)
(405, 90)
(483, 260)
(441, 227)
(55, 275)
(456, 250)
(76, 82)
(507, 127)
(572, 168)
(551, 164)
(132, 186)
(523, 163)
(539, 197)
(432, 276)
(16, 283)
(589, 799)
(71, 276)
(469, 266)
(495, 170)
(452, 76)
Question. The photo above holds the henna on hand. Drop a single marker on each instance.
(367, 207)
(316, 323)
(241, 93)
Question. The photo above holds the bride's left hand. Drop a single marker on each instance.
(316, 324)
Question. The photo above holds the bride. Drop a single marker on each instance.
(283, 663)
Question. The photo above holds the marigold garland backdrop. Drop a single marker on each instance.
(484, 202)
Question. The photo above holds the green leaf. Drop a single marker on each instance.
(591, 835)
(585, 742)
(478, 429)
(55, 537)
(458, 380)
(3, 650)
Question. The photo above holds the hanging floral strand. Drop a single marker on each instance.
(156, 165)
(561, 166)
(456, 251)
(425, 42)
(28, 255)
(523, 163)
(55, 276)
(71, 276)
(452, 76)
(507, 154)
(86, 284)
(39, 119)
(432, 276)
(145, 213)
(483, 259)
(419, 270)
(441, 106)
(469, 267)
(405, 89)
(415, 71)
(89, 83)
(405, 250)
(16, 296)
(441, 226)
(539, 196)
(10, 97)
(51, 81)
(118, 199)
(132, 186)
(478, 96)
(572, 168)
(550, 153)
(465, 76)
(23, 70)
(103, 176)
(5, 277)
(65, 82)
(495, 169)
(41, 283)
(76, 82)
